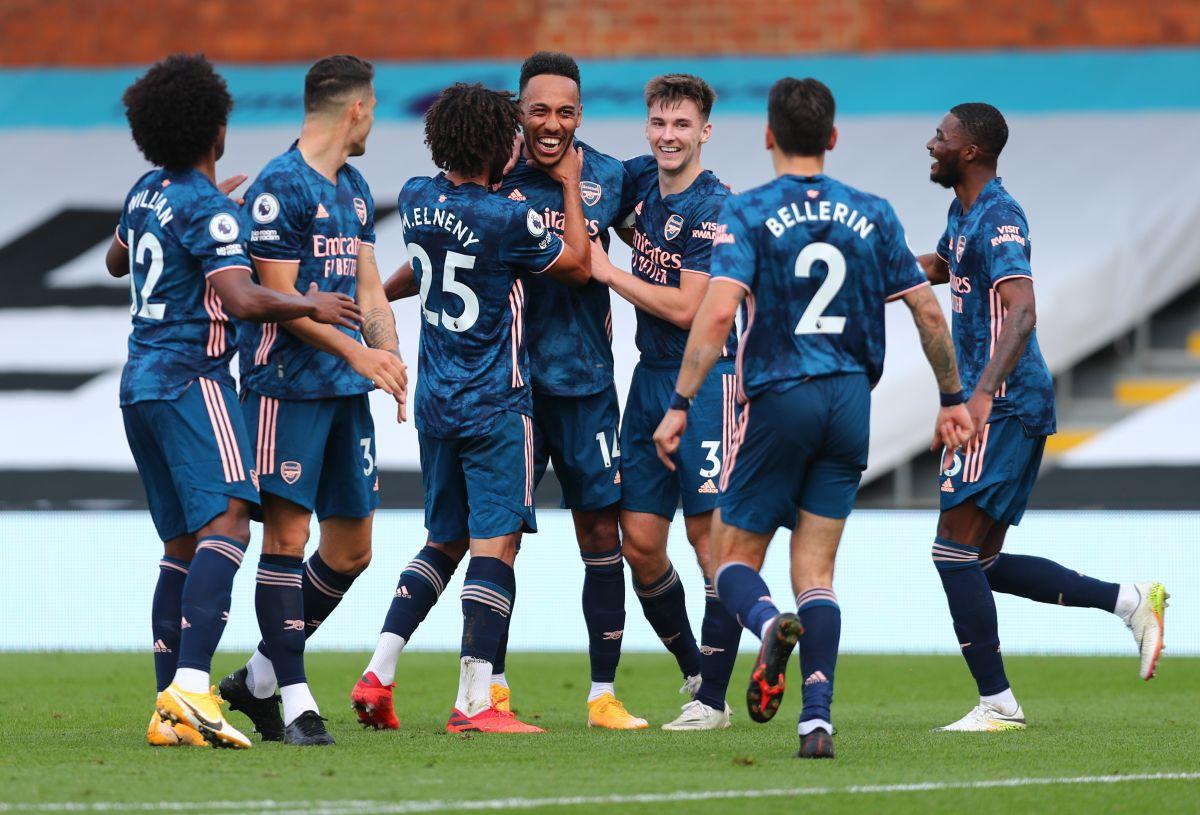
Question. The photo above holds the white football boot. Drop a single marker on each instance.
(1146, 623)
(987, 718)
(698, 716)
(691, 686)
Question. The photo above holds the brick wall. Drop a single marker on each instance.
(118, 32)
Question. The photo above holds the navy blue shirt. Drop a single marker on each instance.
(818, 259)
(179, 230)
(570, 327)
(470, 250)
(671, 235)
(294, 214)
(985, 246)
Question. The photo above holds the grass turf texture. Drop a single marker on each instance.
(72, 729)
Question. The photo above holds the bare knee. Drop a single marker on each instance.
(456, 550)
(346, 544)
(181, 548)
(698, 529)
(644, 546)
(233, 523)
(597, 531)
(287, 539)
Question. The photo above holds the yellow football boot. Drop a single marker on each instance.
(202, 713)
(501, 697)
(607, 712)
(164, 734)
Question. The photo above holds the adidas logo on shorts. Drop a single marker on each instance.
(708, 488)
(947, 486)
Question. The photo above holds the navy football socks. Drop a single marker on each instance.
(822, 620)
(604, 610)
(204, 607)
(1045, 581)
(719, 638)
(164, 618)
(973, 610)
(279, 604)
(421, 584)
(746, 596)
(664, 604)
(323, 589)
(486, 604)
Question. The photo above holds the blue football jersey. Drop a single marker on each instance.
(818, 260)
(984, 246)
(570, 327)
(179, 229)
(670, 236)
(470, 250)
(296, 215)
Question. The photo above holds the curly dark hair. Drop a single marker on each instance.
(176, 110)
(470, 129)
(985, 125)
(800, 113)
(554, 63)
(672, 89)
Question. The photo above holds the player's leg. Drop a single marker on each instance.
(648, 503)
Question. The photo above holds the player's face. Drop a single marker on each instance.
(675, 134)
(945, 148)
(550, 113)
(362, 118)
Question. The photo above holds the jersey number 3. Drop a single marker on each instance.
(814, 320)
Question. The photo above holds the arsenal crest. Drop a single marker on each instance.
(590, 192)
(290, 471)
(360, 209)
(674, 226)
(960, 248)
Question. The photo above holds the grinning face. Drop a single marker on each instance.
(675, 134)
(948, 148)
(550, 114)
(362, 117)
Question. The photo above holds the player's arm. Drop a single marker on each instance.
(935, 267)
(117, 258)
(381, 367)
(574, 262)
(1020, 318)
(677, 306)
(242, 298)
(954, 426)
(378, 322)
(708, 335)
(402, 283)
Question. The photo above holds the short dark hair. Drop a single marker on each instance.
(331, 78)
(176, 109)
(671, 89)
(469, 128)
(985, 125)
(555, 63)
(800, 114)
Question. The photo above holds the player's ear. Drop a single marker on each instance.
(706, 132)
(579, 116)
(832, 140)
(770, 139)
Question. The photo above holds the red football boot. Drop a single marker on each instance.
(372, 703)
(489, 720)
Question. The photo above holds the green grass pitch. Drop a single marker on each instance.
(72, 731)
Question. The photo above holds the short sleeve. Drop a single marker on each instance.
(216, 239)
(698, 245)
(901, 272)
(1006, 244)
(368, 231)
(943, 246)
(629, 197)
(527, 245)
(733, 251)
(122, 228)
(640, 173)
(276, 221)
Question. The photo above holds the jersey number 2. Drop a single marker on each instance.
(454, 260)
(146, 245)
(814, 320)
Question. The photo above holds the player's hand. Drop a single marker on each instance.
(566, 170)
(980, 408)
(402, 397)
(953, 429)
(333, 308)
(667, 436)
(232, 183)
(601, 265)
(517, 148)
(384, 369)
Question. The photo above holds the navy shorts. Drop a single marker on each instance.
(580, 435)
(802, 448)
(479, 486)
(318, 453)
(648, 486)
(996, 470)
(193, 454)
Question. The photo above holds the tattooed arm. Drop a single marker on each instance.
(955, 425)
(378, 322)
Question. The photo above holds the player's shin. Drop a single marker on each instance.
(1045, 581)
(821, 618)
(720, 634)
(165, 615)
(421, 584)
(604, 614)
(279, 603)
(973, 610)
(665, 606)
(486, 605)
(323, 589)
(205, 608)
(745, 595)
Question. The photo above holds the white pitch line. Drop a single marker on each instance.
(500, 804)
